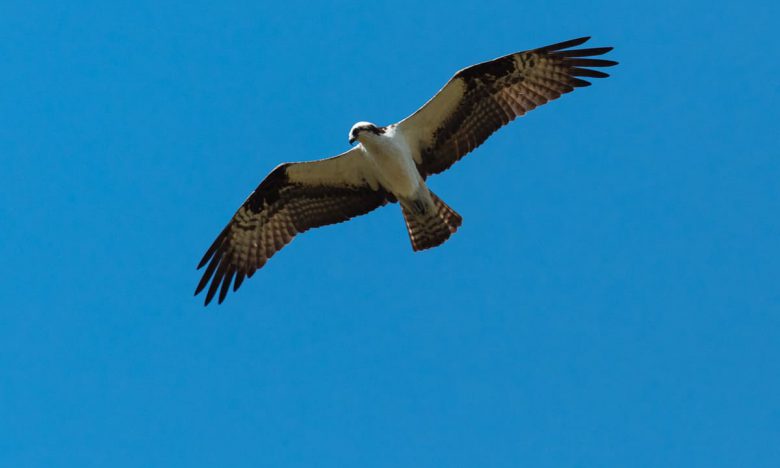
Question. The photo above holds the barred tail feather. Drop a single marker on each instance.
(433, 227)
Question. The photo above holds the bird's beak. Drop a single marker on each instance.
(352, 141)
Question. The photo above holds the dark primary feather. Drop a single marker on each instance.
(268, 220)
(498, 91)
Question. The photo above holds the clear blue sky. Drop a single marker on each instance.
(611, 300)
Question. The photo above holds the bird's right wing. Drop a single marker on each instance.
(482, 98)
(293, 198)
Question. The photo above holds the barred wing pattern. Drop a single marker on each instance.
(482, 98)
(293, 198)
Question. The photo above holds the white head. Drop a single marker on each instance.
(364, 128)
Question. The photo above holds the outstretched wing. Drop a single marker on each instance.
(482, 98)
(294, 197)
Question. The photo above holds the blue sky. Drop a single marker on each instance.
(611, 299)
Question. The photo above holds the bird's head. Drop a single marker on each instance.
(363, 128)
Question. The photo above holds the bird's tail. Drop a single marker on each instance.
(429, 226)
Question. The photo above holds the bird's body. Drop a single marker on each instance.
(391, 163)
(389, 157)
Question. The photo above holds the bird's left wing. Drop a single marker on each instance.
(482, 98)
(294, 197)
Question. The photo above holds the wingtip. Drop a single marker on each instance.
(577, 71)
(206, 257)
(228, 278)
(563, 45)
(239, 279)
(206, 301)
(578, 83)
(575, 42)
(209, 297)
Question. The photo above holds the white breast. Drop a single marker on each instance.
(392, 159)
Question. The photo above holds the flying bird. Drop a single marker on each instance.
(391, 163)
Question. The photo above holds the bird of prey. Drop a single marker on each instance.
(391, 163)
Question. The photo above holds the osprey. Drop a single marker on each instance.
(391, 163)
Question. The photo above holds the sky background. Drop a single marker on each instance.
(611, 299)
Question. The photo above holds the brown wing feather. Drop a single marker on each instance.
(480, 99)
(269, 219)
